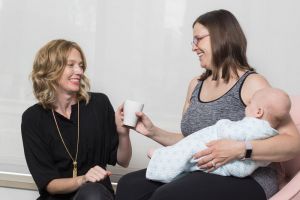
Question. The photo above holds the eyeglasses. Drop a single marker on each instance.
(197, 39)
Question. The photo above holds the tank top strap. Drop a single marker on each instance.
(243, 77)
(235, 89)
(196, 91)
(239, 84)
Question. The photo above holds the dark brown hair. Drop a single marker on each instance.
(228, 44)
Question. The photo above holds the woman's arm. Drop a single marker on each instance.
(278, 148)
(68, 185)
(124, 151)
(64, 185)
(282, 147)
(165, 138)
(147, 128)
(191, 88)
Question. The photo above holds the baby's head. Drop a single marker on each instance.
(269, 104)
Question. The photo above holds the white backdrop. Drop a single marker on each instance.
(136, 49)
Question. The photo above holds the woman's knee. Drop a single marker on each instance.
(125, 185)
(93, 191)
(132, 179)
(161, 194)
(126, 180)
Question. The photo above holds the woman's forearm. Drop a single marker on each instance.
(276, 149)
(124, 150)
(279, 148)
(165, 138)
(65, 185)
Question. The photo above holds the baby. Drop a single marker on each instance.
(264, 112)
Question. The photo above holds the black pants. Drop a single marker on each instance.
(88, 191)
(196, 185)
(93, 191)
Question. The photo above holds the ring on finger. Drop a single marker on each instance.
(213, 163)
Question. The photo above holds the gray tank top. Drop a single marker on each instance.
(229, 106)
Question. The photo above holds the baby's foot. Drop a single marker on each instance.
(150, 153)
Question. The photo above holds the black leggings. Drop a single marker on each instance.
(196, 185)
(93, 191)
(88, 191)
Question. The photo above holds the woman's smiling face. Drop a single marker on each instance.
(202, 45)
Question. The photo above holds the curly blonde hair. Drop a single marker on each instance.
(48, 66)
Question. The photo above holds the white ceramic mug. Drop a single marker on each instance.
(130, 108)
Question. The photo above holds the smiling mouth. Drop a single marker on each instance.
(200, 53)
(75, 80)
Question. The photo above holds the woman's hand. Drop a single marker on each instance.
(148, 129)
(219, 152)
(95, 174)
(144, 125)
(67, 185)
(119, 117)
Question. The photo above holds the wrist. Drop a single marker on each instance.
(242, 151)
(247, 154)
(152, 132)
(122, 130)
(123, 135)
(81, 180)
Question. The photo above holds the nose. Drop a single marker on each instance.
(194, 47)
(78, 69)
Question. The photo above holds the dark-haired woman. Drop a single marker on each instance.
(222, 91)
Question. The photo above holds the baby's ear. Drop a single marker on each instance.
(259, 112)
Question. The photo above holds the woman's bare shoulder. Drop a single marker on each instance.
(256, 81)
(253, 83)
(193, 83)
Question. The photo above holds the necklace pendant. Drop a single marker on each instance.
(74, 169)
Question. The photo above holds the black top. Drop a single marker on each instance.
(45, 153)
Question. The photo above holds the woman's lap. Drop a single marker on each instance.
(88, 191)
(93, 191)
(194, 185)
(135, 186)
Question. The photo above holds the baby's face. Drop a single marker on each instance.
(252, 108)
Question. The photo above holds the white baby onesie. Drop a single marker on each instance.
(168, 163)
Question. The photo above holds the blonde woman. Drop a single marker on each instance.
(70, 135)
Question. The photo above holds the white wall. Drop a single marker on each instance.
(13, 194)
(136, 49)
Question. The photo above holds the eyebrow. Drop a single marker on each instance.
(201, 35)
(72, 60)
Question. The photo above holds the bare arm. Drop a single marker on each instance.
(64, 185)
(191, 88)
(282, 147)
(124, 152)
(165, 138)
(147, 128)
(67, 185)
(278, 148)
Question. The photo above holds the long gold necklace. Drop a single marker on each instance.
(73, 159)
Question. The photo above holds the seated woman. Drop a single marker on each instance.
(70, 135)
(221, 92)
(267, 108)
